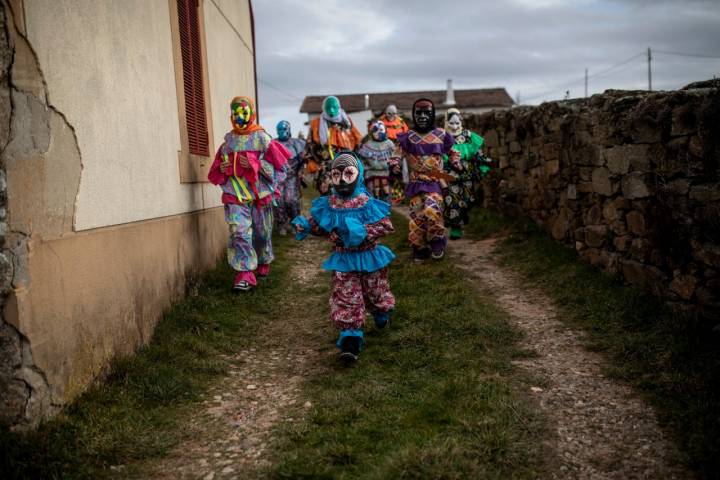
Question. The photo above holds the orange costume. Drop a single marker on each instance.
(331, 132)
(338, 137)
(394, 127)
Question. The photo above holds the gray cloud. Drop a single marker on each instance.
(535, 47)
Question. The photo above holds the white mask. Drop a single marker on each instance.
(454, 125)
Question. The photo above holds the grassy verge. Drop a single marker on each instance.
(137, 412)
(675, 361)
(433, 396)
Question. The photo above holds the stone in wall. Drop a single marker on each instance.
(629, 179)
(25, 398)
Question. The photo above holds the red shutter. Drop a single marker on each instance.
(193, 76)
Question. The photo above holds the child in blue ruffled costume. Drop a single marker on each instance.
(354, 221)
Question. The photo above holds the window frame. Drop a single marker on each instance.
(193, 168)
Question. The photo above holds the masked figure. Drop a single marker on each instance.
(394, 124)
(424, 148)
(377, 154)
(460, 194)
(353, 221)
(289, 191)
(331, 131)
(248, 167)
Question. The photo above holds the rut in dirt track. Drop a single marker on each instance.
(603, 429)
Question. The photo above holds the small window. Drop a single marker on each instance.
(192, 66)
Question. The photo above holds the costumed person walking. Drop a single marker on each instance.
(376, 153)
(395, 125)
(332, 131)
(424, 148)
(248, 167)
(460, 195)
(354, 221)
(288, 201)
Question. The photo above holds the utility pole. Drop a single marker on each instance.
(649, 70)
(586, 82)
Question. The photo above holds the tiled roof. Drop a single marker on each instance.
(472, 98)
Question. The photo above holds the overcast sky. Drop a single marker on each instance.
(538, 49)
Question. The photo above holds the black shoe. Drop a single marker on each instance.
(350, 350)
(421, 254)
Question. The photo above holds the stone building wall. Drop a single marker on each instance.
(629, 179)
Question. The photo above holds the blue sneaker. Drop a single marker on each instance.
(381, 319)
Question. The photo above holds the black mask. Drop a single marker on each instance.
(345, 174)
(423, 115)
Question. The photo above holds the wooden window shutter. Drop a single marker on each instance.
(191, 51)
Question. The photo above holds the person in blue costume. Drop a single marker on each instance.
(288, 200)
(354, 221)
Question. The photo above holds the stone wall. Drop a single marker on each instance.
(629, 179)
(23, 387)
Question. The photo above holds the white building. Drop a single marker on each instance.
(363, 107)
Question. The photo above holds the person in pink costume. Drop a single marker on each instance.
(248, 167)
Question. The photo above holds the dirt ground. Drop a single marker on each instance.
(604, 430)
(229, 436)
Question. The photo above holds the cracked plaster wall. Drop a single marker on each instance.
(25, 149)
(71, 301)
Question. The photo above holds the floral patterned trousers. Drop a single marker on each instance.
(354, 292)
(250, 242)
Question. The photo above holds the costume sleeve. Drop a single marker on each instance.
(404, 126)
(315, 229)
(277, 154)
(357, 137)
(452, 153)
(309, 227)
(215, 175)
(379, 229)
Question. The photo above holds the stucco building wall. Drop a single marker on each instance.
(99, 234)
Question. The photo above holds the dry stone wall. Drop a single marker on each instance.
(629, 179)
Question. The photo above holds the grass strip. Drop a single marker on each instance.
(673, 359)
(432, 396)
(137, 411)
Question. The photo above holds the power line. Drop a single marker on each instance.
(279, 90)
(584, 79)
(618, 67)
(682, 54)
(620, 64)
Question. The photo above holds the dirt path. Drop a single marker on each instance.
(229, 437)
(603, 429)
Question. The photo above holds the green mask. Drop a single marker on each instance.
(331, 106)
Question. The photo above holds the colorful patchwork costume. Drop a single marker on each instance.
(460, 195)
(288, 203)
(332, 131)
(353, 221)
(424, 148)
(377, 154)
(395, 125)
(248, 167)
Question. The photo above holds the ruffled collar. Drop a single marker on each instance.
(257, 141)
(348, 217)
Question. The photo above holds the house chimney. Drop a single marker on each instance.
(450, 94)
(367, 102)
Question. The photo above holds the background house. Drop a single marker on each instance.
(362, 107)
(111, 113)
